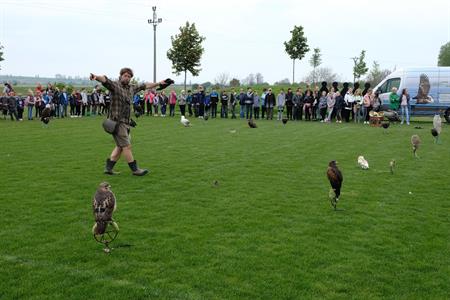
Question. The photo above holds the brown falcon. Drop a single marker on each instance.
(335, 177)
(103, 204)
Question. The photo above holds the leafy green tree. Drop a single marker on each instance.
(444, 56)
(359, 68)
(186, 51)
(296, 47)
(315, 61)
(376, 74)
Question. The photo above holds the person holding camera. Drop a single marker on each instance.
(122, 92)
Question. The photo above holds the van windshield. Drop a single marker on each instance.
(387, 86)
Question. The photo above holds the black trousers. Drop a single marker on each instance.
(256, 112)
(182, 109)
(213, 110)
(289, 112)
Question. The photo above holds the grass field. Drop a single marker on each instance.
(267, 231)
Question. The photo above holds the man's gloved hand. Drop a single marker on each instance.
(165, 84)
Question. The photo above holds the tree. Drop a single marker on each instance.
(249, 80)
(444, 56)
(186, 51)
(1, 54)
(315, 61)
(282, 81)
(321, 74)
(222, 79)
(376, 74)
(206, 85)
(235, 82)
(296, 47)
(359, 67)
(259, 78)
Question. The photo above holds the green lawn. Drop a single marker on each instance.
(267, 231)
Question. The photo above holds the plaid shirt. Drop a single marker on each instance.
(121, 99)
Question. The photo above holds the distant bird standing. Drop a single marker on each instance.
(437, 127)
(284, 120)
(415, 141)
(335, 177)
(185, 122)
(252, 124)
(363, 163)
(392, 165)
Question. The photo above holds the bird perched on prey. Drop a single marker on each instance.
(363, 163)
(185, 122)
(103, 204)
(252, 124)
(415, 141)
(284, 120)
(335, 177)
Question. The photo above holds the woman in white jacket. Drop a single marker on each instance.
(348, 104)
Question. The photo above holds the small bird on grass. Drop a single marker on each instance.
(437, 128)
(185, 122)
(392, 165)
(415, 141)
(252, 124)
(335, 177)
(284, 120)
(363, 163)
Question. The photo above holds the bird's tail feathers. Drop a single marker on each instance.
(100, 228)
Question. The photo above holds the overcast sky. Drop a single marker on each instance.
(76, 37)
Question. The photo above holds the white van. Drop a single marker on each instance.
(429, 88)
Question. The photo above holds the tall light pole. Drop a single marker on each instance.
(155, 21)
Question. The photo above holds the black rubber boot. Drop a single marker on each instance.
(136, 171)
(109, 167)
